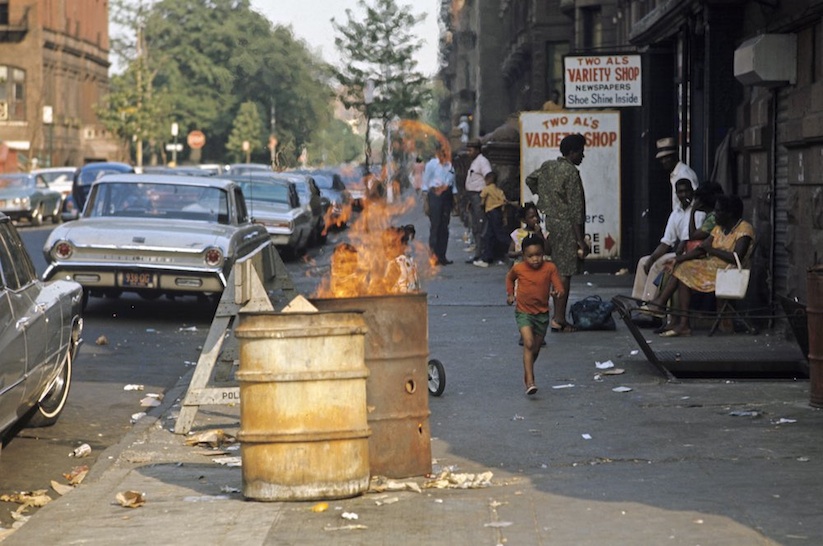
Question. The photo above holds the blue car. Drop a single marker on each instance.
(89, 173)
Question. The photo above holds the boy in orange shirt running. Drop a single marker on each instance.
(536, 280)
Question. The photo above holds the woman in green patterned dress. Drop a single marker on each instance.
(562, 200)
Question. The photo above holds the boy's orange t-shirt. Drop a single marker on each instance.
(533, 286)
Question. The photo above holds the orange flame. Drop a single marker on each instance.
(374, 260)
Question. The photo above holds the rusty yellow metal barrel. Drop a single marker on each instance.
(303, 425)
(814, 318)
(397, 349)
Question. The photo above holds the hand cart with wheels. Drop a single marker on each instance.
(437, 377)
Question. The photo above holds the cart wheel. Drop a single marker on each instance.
(437, 377)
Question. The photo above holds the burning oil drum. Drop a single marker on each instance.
(397, 347)
(303, 425)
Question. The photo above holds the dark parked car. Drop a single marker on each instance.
(332, 188)
(40, 327)
(89, 173)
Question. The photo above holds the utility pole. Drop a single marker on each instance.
(368, 98)
(174, 130)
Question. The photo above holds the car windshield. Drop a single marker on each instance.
(53, 177)
(262, 191)
(137, 200)
(16, 181)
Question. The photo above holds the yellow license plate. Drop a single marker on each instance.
(137, 280)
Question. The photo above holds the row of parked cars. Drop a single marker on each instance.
(170, 234)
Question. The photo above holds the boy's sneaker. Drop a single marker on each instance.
(470, 248)
(480, 263)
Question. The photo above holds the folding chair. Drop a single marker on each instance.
(725, 306)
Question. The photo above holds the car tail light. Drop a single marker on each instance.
(214, 257)
(62, 250)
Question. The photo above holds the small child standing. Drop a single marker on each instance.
(529, 216)
(495, 235)
(536, 280)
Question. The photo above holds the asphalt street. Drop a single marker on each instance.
(625, 459)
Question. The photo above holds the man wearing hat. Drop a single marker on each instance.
(667, 155)
(475, 182)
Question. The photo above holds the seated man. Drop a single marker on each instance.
(676, 232)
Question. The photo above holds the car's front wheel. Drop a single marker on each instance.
(53, 401)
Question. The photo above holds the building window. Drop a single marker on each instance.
(555, 51)
(4, 12)
(12, 93)
(592, 27)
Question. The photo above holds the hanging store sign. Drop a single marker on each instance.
(602, 81)
(540, 136)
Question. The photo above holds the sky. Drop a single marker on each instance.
(311, 21)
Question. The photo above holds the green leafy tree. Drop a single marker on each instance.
(135, 109)
(219, 54)
(380, 47)
(334, 145)
(248, 127)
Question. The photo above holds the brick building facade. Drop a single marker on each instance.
(53, 71)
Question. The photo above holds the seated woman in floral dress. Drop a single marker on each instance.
(697, 269)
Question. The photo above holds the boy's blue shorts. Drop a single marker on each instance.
(539, 323)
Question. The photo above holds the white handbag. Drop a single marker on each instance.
(731, 283)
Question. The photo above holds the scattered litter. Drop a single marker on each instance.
(102, 340)
(783, 421)
(353, 527)
(28, 499)
(497, 524)
(60, 488)
(566, 386)
(131, 499)
(349, 516)
(379, 484)
(589, 284)
(133, 388)
(622, 389)
(803, 459)
(614, 371)
(150, 402)
(604, 365)
(229, 489)
(77, 474)
(634, 352)
(320, 507)
(206, 498)
(151, 331)
(137, 416)
(744, 413)
(229, 461)
(83, 450)
(622, 271)
(212, 438)
(189, 329)
(390, 500)
(586, 436)
(448, 480)
(517, 417)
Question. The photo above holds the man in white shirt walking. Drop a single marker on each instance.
(475, 182)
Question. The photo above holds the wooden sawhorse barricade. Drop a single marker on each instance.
(249, 287)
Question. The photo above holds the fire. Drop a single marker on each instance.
(380, 258)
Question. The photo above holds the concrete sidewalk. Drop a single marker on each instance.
(704, 462)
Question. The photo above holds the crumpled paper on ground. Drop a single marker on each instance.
(131, 499)
(211, 438)
(28, 499)
(450, 480)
